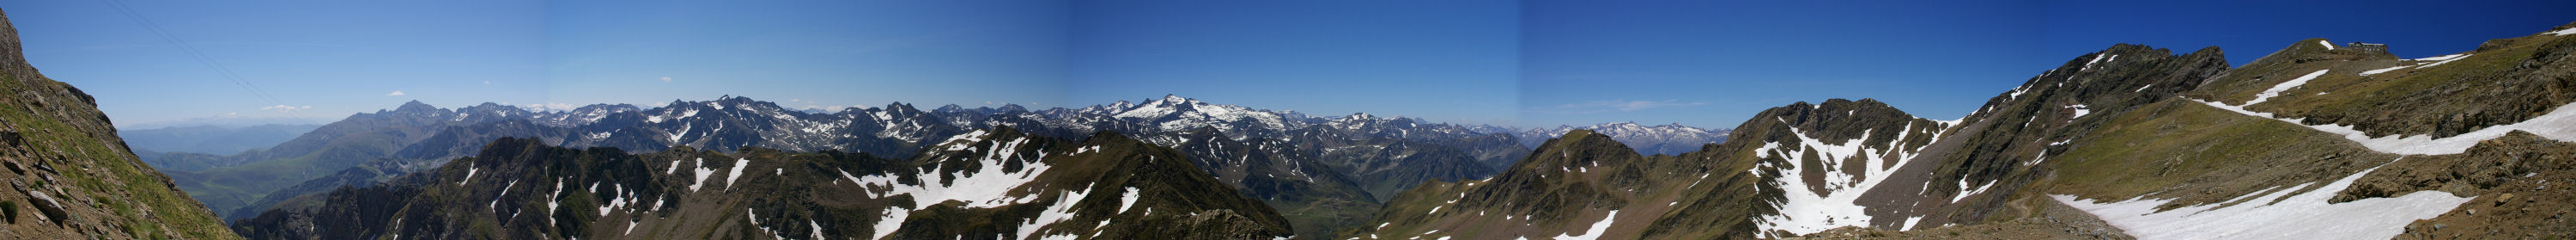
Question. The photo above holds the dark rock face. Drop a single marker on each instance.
(1105, 187)
(1997, 143)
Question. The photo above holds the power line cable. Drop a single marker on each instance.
(201, 56)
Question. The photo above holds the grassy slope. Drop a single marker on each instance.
(2183, 144)
(232, 187)
(148, 210)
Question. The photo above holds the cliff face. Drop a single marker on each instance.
(70, 176)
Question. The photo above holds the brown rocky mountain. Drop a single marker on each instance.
(2317, 140)
(986, 184)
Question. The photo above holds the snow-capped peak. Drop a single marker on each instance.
(1177, 113)
(1359, 116)
(1669, 138)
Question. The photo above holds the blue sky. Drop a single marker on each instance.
(1534, 63)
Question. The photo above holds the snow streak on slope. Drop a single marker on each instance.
(2439, 60)
(988, 186)
(1059, 212)
(2303, 216)
(2558, 125)
(738, 165)
(2285, 86)
(984, 188)
(703, 172)
(1807, 211)
(1129, 199)
(2384, 70)
(2088, 65)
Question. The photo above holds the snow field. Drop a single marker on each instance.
(2302, 216)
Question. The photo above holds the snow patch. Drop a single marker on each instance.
(2284, 86)
(818, 228)
(2441, 58)
(2384, 70)
(2446, 59)
(2562, 32)
(1964, 192)
(738, 165)
(2558, 125)
(963, 141)
(616, 199)
(892, 221)
(553, 200)
(469, 175)
(1806, 211)
(703, 173)
(2088, 65)
(496, 198)
(1598, 228)
(675, 167)
(2329, 46)
(989, 186)
(2303, 216)
(2433, 63)
(1129, 199)
(1909, 223)
(1059, 212)
(684, 131)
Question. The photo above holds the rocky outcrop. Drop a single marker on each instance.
(2519, 182)
(2503, 81)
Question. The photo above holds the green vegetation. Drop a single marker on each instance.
(2178, 142)
(2495, 84)
(232, 187)
(9, 211)
(110, 174)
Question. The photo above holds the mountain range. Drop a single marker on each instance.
(186, 148)
(1667, 139)
(1326, 173)
(2314, 141)
(2054, 158)
(999, 181)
